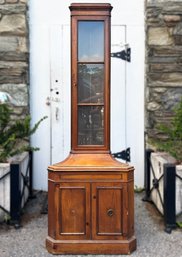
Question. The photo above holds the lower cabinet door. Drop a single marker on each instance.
(107, 210)
(74, 211)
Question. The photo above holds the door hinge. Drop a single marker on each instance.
(124, 55)
(124, 155)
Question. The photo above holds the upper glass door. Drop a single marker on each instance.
(90, 77)
(90, 82)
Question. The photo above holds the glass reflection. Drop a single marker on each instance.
(90, 41)
(90, 83)
(91, 125)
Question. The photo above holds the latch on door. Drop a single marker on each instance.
(48, 101)
(124, 55)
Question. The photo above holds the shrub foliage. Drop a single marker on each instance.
(173, 132)
(14, 135)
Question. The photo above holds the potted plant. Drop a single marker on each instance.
(14, 142)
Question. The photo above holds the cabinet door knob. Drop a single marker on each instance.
(110, 212)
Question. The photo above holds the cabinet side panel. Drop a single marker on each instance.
(131, 208)
(51, 210)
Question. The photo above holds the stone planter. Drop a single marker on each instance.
(15, 186)
(4, 190)
(163, 186)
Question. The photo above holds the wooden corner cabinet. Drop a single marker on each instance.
(90, 194)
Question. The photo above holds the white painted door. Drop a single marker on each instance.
(60, 91)
(59, 100)
(118, 90)
(50, 83)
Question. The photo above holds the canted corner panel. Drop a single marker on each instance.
(73, 214)
(109, 211)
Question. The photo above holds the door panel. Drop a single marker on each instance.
(74, 211)
(107, 210)
(60, 92)
(118, 90)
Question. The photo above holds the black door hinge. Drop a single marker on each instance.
(124, 155)
(124, 55)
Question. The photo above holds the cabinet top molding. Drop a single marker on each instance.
(78, 8)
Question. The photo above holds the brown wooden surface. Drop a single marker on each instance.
(90, 9)
(91, 195)
(107, 207)
(91, 246)
(88, 12)
(74, 211)
(79, 204)
(91, 161)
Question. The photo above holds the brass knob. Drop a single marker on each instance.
(110, 212)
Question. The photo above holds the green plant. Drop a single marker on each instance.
(14, 135)
(173, 134)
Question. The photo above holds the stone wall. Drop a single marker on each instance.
(163, 62)
(14, 56)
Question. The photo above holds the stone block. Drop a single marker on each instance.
(13, 44)
(177, 33)
(170, 98)
(172, 18)
(166, 67)
(175, 77)
(166, 51)
(159, 36)
(172, 7)
(13, 56)
(153, 106)
(163, 59)
(13, 24)
(19, 93)
(11, 1)
(178, 29)
(13, 79)
(156, 84)
(159, 90)
(7, 9)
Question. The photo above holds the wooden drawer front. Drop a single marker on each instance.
(74, 210)
(107, 210)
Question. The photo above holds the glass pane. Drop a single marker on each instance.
(90, 41)
(90, 83)
(90, 125)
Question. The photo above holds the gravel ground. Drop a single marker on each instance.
(29, 240)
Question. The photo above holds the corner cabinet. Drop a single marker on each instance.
(90, 194)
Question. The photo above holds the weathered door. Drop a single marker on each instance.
(50, 83)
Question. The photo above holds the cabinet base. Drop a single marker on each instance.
(91, 246)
